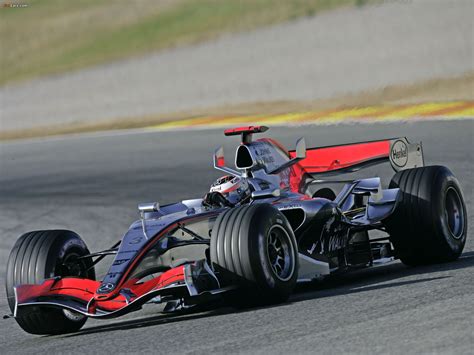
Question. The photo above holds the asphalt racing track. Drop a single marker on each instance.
(92, 184)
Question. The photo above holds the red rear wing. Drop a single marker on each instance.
(351, 157)
(325, 159)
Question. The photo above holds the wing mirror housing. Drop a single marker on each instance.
(219, 162)
(301, 148)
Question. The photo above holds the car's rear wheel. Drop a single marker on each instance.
(254, 246)
(37, 256)
(429, 224)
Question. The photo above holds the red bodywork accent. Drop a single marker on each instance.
(326, 159)
(84, 290)
(319, 160)
(246, 129)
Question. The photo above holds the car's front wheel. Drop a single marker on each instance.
(256, 245)
(40, 255)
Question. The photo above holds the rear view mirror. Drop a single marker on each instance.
(301, 148)
(219, 161)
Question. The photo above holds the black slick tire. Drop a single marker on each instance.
(37, 256)
(429, 224)
(255, 247)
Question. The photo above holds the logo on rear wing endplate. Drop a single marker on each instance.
(404, 155)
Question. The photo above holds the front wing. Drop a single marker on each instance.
(78, 295)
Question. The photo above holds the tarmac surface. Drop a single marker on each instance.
(344, 51)
(92, 184)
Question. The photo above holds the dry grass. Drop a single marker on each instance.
(53, 36)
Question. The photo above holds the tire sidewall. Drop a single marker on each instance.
(260, 225)
(419, 227)
(444, 181)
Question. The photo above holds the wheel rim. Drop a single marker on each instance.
(71, 266)
(280, 253)
(454, 213)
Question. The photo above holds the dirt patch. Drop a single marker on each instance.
(453, 89)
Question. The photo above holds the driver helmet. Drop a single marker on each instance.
(233, 188)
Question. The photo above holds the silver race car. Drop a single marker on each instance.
(279, 217)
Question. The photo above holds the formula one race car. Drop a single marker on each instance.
(276, 220)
